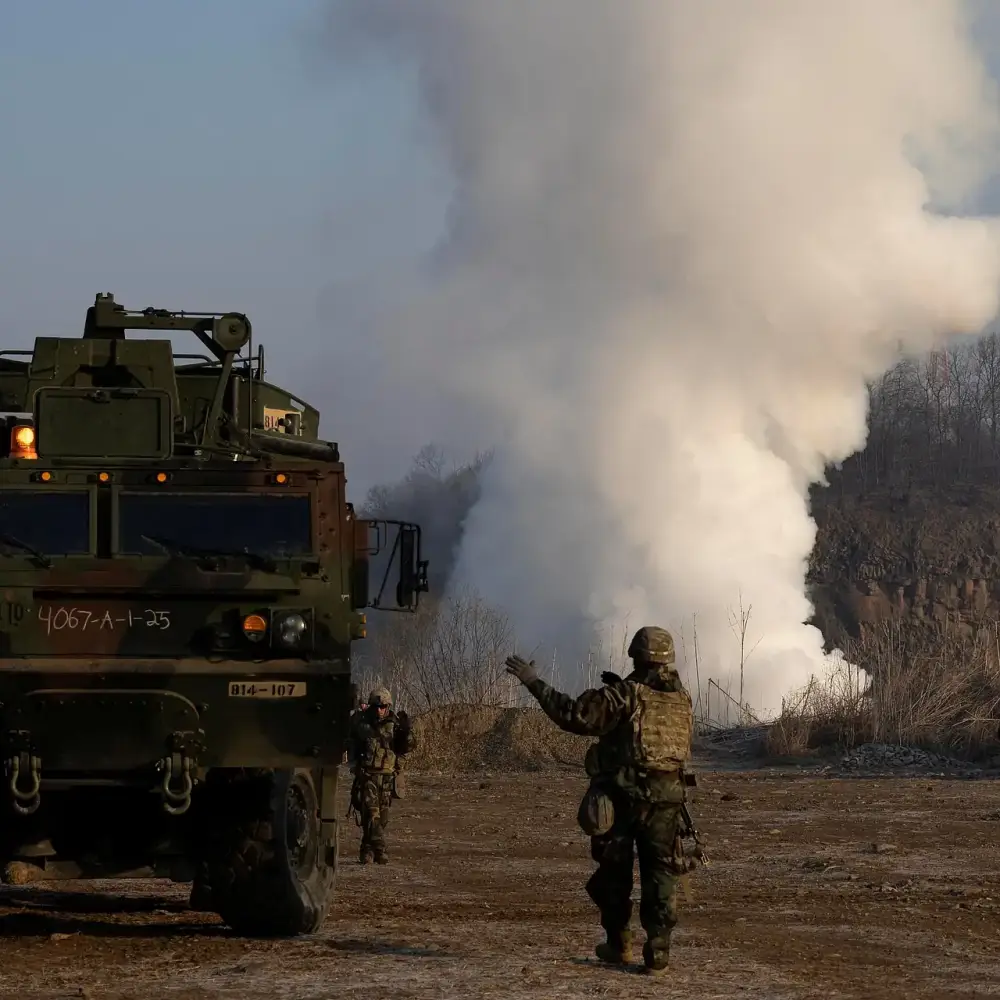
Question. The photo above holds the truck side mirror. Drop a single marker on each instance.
(412, 580)
(412, 569)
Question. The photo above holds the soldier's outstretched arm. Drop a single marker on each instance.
(593, 713)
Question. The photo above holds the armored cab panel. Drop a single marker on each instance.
(99, 399)
(277, 410)
(248, 402)
(75, 423)
(13, 384)
(102, 362)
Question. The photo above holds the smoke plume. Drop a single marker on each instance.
(682, 236)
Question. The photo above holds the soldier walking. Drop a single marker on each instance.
(378, 742)
(636, 798)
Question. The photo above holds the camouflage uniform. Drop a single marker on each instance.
(644, 723)
(376, 747)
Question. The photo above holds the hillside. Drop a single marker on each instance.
(927, 558)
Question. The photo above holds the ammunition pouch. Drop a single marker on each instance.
(398, 786)
(380, 759)
(596, 814)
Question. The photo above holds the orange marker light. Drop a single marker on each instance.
(103, 476)
(161, 477)
(281, 478)
(254, 627)
(22, 442)
(45, 476)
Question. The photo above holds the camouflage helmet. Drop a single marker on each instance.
(380, 698)
(652, 644)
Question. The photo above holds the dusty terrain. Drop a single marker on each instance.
(821, 886)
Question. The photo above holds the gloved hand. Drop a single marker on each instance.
(404, 730)
(610, 677)
(522, 669)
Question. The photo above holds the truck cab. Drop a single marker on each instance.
(182, 578)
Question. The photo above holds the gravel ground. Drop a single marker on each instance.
(821, 886)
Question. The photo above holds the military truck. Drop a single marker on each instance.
(181, 581)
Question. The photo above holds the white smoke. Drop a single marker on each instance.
(683, 235)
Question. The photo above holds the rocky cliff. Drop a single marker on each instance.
(926, 558)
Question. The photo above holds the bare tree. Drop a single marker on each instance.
(931, 423)
(452, 652)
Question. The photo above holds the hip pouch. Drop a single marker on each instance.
(596, 814)
(398, 786)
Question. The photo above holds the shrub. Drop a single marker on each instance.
(945, 698)
(450, 651)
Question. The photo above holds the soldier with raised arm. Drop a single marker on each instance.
(636, 799)
(379, 740)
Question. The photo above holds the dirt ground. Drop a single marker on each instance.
(820, 887)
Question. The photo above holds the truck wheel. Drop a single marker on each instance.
(268, 874)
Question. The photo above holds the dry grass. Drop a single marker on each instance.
(929, 688)
(446, 667)
(459, 738)
(451, 652)
(944, 697)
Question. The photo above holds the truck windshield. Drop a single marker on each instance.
(265, 524)
(50, 522)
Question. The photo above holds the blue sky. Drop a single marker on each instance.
(196, 155)
(205, 154)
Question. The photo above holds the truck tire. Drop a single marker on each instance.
(266, 870)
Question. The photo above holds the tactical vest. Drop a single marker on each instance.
(661, 727)
(656, 737)
(377, 755)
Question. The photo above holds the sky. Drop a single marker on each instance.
(201, 156)
(211, 156)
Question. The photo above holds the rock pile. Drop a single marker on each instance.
(887, 758)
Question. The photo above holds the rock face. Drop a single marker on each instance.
(926, 559)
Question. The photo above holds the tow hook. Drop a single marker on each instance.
(176, 801)
(25, 801)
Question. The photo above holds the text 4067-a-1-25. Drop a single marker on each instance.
(82, 619)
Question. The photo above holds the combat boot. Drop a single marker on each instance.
(365, 856)
(617, 950)
(656, 958)
(381, 858)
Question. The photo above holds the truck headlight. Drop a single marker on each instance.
(290, 628)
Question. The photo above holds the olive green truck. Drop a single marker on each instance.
(181, 582)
